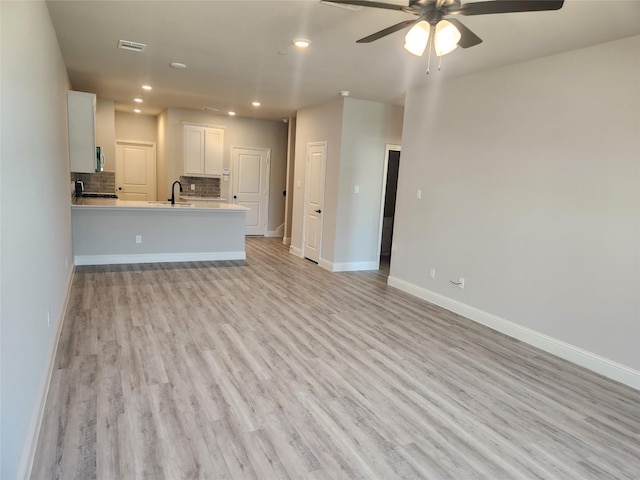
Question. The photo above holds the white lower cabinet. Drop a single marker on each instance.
(203, 151)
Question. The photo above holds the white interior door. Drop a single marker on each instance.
(135, 170)
(251, 186)
(314, 199)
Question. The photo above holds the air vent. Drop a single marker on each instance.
(133, 46)
(346, 6)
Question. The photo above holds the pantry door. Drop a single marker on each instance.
(135, 170)
(314, 199)
(250, 186)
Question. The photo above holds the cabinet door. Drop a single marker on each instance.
(213, 142)
(193, 150)
(81, 115)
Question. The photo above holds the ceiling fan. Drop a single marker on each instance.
(430, 25)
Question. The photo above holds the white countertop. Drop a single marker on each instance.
(108, 203)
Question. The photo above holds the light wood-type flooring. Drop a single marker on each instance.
(274, 368)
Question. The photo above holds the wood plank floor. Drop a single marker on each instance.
(275, 368)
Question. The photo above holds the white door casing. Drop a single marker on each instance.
(135, 170)
(250, 185)
(314, 199)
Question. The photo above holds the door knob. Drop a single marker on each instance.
(318, 211)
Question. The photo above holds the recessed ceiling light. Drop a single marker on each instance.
(137, 110)
(178, 65)
(255, 104)
(147, 87)
(232, 113)
(137, 100)
(301, 42)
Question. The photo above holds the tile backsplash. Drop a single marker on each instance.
(100, 182)
(204, 187)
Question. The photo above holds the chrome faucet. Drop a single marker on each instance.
(173, 195)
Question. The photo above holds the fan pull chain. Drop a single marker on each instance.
(430, 46)
(439, 63)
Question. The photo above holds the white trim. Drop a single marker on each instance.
(278, 232)
(326, 264)
(29, 452)
(296, 251)
(157, 258)
(389, 147)
(579, 356)
(348, 266)
(286, 240)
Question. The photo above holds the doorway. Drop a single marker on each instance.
(314, 200)
(389, 193)
(250, 186)
(135, 170)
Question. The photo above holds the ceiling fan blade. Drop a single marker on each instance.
(508, 6)
(387, 31)
(467, 37)
(388, 6)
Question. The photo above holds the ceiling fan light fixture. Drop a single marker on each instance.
(446, 38)
(416, 39)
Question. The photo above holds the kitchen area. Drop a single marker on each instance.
(149, 189)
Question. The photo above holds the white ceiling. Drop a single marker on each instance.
(239, 51)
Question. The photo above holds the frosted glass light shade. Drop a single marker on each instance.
(446, 38)
(416, 39)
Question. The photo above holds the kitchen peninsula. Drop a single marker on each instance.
(107, 231)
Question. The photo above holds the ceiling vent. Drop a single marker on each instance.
(133, 46)
(346, 6)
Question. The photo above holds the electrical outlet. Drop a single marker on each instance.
(419, 194)
(193, 186)
(48, 318)
(66, 262)
(138, 238)
(432, 273)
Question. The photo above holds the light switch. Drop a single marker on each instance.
(419, 194)
(298, 184)
(356, 189)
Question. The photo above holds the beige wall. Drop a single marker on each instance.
(35, 246)
(320, 123)
(367, 127)
(356, 132)
(531, 177)
(135, 126)
(238, 132)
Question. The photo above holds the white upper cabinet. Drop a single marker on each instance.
(203, 150)
(81, 114)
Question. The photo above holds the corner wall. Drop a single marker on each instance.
(35, 248)
(531, 191)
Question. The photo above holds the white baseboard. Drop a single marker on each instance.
(278, 232)
(348, 266)
(28, 455)
(326, 264)
(286, 240)
(295, 251)
(579, 356)
(157, 258)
